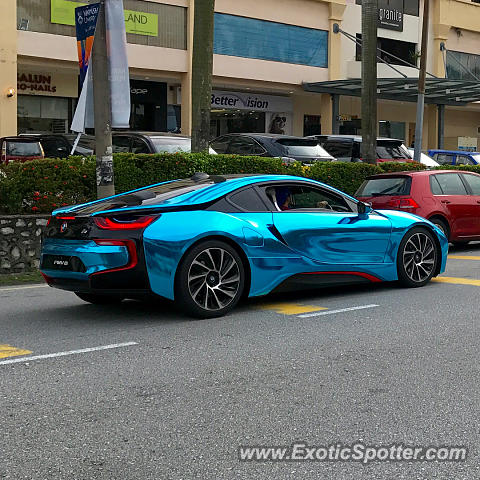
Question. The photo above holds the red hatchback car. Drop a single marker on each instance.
(448, 198)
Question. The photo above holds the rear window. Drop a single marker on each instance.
(391, 150)
(339, 149)
(171, 145)
(302, 147)
(156, 195)
(24, 149)
(376, 187)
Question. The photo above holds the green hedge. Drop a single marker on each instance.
(43, 185)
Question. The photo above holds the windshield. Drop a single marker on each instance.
(375, 187)
(476, 157)
(390, 150)
(24, 149)
(171, 145)
(303, 147)
(156, 195)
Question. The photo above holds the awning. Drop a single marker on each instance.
(437, 90)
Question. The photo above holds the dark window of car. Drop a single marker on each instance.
(248, 200)
(220, 144)
(54, 147)
(391, 150)
(244, 146)
(302, 147)
(139, 146)
(23, 149)
(121, 144)
(171, 144)
(473, 182)
(376, 187)
(451, 184)
(341, 150)
(464, 160)
(435, 186)
(298, 197)
(444, 158)
(155, 195)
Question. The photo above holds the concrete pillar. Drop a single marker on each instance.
(430, 126)
(186, 86)
(441, 126)
(336, 11)
(8, 67)
(327, 117)
(335, 114)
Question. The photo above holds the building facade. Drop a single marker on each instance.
(263, 53)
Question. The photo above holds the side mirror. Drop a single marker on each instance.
(363, 208)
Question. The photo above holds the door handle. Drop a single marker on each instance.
(446, 201)
(478, 201)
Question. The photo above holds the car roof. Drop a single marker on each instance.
(417, 173)
(149, 134)
(273, 136)
(462, 152)
(358, 138)
(18, 138)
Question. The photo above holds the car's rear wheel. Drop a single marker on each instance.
(417, 258)
(210, 280)
(98, 299)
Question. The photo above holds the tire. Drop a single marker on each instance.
(442, 226)
(210, 280)
(417, 258)
(98, 299)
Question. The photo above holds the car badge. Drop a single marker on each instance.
(63, 227)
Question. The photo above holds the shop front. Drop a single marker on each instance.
(46, 100)
(239, 112)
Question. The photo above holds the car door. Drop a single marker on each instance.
(457, 203)
(473, 184)
(326, 227)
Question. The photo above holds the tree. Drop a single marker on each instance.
(202, 62)
(369, 80)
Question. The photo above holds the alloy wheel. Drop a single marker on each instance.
(419, 257)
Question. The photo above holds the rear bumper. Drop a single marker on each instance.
(85, 266)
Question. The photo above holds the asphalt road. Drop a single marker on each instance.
(180, 400)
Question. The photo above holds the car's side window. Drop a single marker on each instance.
(139, 146)
(220, 144)
(248, 200)
(341, 150)
(473, 182)
(121, 144)
(444, 158)
(241, 146)
(435, 186)
(304, 197)
(451, 184)
(464, 160)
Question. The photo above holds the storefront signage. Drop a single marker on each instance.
(37, 83)
(468, 144)
(390, 14)
(139, 23)
(242, 101)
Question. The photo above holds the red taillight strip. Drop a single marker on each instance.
(65, 218)
(357, 274)
(132, 254)
(106, 223)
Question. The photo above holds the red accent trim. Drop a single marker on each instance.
(358, 274)
(47, 279)
(132, 254)
(65, 218)
(106, 223)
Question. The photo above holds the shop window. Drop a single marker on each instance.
(392, 129)
(43, 114)
(252, 38)
(312, 125)
(406, 51)
(470, 61)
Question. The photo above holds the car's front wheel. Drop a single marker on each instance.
(210, 280)
(417, 258)
(98, 299)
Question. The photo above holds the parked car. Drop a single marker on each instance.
(142, 142)
(305, 150)
(347, 148)
(448, 198)
(54, 145)
(206, 241)
(19, 149)
(424, 158)
(455, 157)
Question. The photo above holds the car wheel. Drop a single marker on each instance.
(417, 258)
(210, 280)
(98, 299)
(441, 225)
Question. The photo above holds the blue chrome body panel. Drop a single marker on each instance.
(96, 258)
(275, 246)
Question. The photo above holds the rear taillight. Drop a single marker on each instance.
(403, 204)
(48, 221)
(106, 223)
(132, 253)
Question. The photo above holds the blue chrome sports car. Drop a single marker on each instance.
(207, 240)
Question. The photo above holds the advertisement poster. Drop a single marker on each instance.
(85, 23)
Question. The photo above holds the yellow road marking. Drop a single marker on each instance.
(464, 257)
(291, 308)
(9, 351)
(458, 281)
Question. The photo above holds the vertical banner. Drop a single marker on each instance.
(85, 23)
(118, 63)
